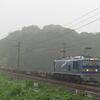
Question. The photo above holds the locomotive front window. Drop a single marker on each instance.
(90, 66)
(91, 63)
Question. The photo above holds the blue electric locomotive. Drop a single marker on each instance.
(77, 69)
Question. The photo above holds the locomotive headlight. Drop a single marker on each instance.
(96, 70)
(87, 70)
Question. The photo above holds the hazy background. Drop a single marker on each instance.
(42, 28)
(15, 14)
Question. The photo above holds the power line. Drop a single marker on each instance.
(87, 24)
(70, 31)
(85, 19)
(64, 48)
(84, 15)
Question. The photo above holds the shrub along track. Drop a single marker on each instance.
(71, 87)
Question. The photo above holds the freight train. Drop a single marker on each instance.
(77, 69)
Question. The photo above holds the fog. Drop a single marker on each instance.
(15, 14)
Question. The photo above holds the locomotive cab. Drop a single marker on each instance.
(81, 68)
(90, 70)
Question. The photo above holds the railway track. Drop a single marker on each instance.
(71, 87)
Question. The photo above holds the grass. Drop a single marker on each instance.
(11, 89)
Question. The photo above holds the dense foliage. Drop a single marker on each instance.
(11, 89)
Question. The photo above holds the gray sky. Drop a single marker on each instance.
(15, 14)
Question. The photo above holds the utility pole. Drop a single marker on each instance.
(18, 57)
(87, 49)
(63, 51)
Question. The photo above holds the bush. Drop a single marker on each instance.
(24, 90)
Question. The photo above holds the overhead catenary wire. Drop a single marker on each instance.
(86, 14)
(83, 26)
(70, 31)
(85, 20)
(87, 24)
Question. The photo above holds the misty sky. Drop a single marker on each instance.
(15, 14)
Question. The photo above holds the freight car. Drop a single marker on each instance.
(77, 69)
